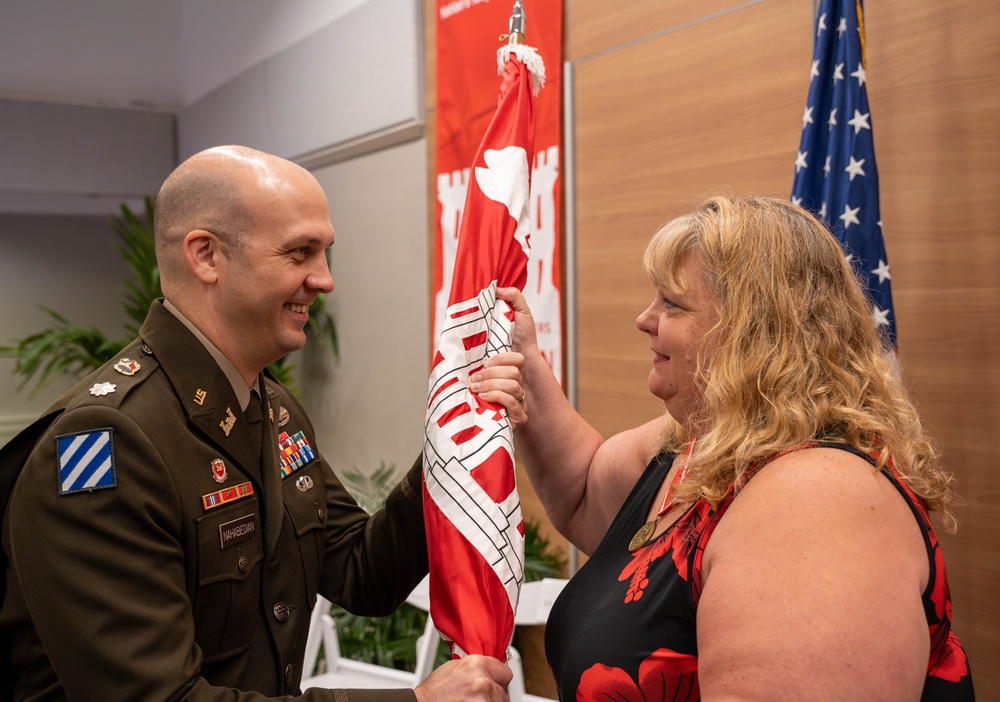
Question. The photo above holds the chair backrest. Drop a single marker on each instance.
(427, 644)
(323, 631)
(535, 602)
(315, 637)
(533, 608)
(427, 648)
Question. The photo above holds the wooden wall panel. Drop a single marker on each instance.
(715, 105)
(597, 26)
(934, 88)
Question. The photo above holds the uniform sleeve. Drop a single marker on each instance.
(100, 563)
(371, 564)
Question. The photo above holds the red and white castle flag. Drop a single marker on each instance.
(465, 102)
(472, 513)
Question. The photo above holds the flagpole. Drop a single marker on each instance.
(515, 29)
(569, 269)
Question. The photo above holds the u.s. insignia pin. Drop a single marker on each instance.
(219, 471)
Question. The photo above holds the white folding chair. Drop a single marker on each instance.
(343, 672)
(533, 608)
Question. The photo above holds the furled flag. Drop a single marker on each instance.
(835, 173)
(472, 513)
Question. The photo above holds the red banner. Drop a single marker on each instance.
(467, 33)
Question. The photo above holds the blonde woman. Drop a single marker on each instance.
(768, 538)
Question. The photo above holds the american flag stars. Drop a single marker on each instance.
(835, 173)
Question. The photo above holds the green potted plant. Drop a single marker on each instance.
(66, 349)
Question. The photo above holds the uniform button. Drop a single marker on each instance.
(321, 514)
(281, 612)
(274, 555)
(244, 564)
(289, 673)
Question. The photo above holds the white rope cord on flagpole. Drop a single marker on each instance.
(529, 57)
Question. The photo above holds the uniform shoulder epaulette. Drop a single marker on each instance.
(111, 383)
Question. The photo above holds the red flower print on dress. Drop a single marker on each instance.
(679, 539)
(951, 665)
(666, 676)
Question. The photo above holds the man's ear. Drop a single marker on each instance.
(203, 254)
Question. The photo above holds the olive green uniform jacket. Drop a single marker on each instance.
(189, 569)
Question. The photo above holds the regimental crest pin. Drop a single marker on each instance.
(282, 417)
(229, 422)
(127, 366)
(101, 389)
(219, 471)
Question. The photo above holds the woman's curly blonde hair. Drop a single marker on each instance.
(796, 354)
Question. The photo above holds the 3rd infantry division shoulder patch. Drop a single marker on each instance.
(86, 461)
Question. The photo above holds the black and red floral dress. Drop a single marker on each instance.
(623, 629)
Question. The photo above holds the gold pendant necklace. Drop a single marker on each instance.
(642, 536)
(645, 532)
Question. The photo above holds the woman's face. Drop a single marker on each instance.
(676, 322)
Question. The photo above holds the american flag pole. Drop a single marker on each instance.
(835, 173)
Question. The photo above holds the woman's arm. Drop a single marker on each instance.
(580, 478)
(812, 587)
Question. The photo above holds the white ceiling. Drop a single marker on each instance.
(153, 54)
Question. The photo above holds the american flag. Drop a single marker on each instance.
(835, 174)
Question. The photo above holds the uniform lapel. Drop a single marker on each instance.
(201, 386)
(269, 465)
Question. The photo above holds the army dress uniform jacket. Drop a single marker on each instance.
(152, 554)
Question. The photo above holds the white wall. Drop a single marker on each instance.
(68, 264)
(223, 38)
(367, 408)
(370, 406)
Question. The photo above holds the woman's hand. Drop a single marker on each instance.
(524, 338)
(499, 382)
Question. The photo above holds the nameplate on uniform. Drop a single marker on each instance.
(230, 494)
(237, 530)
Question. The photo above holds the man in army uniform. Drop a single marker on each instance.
(169, 522)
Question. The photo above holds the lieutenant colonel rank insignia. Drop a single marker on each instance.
(86, 461)
(294, 451)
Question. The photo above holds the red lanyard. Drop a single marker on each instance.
(678, 477)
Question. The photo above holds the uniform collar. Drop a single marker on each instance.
(207, 394)
(235, 379)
